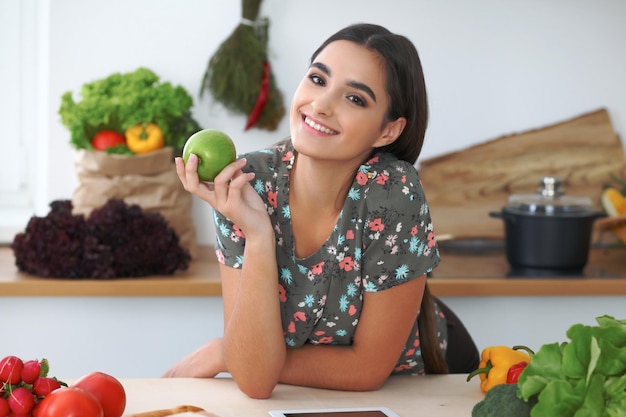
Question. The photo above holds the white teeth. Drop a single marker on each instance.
(318, 127)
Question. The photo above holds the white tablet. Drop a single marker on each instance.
(336, 412)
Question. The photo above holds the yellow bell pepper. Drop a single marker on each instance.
(144, 138)
(495, 363)
(614, 202)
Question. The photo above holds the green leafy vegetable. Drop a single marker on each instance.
(121, 101)
(583, 377)
(119, 150)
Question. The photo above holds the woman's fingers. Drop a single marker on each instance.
(223, 181)
(227, 185)
(188, 172)
(191, 173)
(180, 171)
(188, 175)
(241, 179)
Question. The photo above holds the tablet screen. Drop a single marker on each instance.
(371, 413)
(339, 412)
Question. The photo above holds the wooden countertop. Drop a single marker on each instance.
(432, 395)
(487, 273)
(462, 273)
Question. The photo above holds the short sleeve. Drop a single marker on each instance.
(230, 241)
(398, 236)
(269, 165)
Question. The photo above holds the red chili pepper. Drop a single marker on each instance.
(262, 97)
(514, 372)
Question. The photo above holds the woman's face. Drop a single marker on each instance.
(337, 111)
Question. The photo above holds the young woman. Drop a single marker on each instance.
(325, 239)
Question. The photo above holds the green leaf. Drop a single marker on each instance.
(613, 359)
(594, 357)
(44, 367)
(577, 354)
(593, 403)
(611, 330)
(616, 402)
(611, 336)
(544, 367)
(119, 150)
(559, 398)
(615, 385)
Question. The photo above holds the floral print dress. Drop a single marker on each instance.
(383, 238)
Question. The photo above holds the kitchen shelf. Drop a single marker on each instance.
(462, 273)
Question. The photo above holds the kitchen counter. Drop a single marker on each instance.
(432, 395)
(463, 272)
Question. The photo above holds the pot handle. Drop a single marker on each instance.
(507, 217)
(599, 215)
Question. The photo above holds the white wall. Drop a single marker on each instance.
(142, 337)
(492, 67)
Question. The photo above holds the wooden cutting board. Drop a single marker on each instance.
(462, 187)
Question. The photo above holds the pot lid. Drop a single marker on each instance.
(550, 199)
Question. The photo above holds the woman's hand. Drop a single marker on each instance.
(231, 194)
(205, 362)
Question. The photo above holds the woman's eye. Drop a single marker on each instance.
(316, 79)
(357, 100)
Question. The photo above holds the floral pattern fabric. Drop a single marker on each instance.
(384, 237)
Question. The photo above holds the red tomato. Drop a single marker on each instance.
(68, 402)
(107, 389)
(107, 138)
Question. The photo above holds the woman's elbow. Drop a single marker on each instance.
(370, 384)
(259, 390)
(371, 381)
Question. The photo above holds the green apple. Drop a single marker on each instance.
(214, 149)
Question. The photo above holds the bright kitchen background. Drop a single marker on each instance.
(492, 67)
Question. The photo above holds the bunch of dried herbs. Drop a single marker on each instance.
(239, 76)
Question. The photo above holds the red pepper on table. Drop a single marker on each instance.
(515, 371)
(261, 98)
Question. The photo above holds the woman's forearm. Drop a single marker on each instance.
(334, 367)
(254, 347)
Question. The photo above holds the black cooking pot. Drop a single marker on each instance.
(548, 230)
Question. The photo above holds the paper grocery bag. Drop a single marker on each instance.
(148, 180)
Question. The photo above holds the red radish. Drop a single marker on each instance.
(21, 401)
(44, 386)
(4, 406)
(11, 370)
(31, 371)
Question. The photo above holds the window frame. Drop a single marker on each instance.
(23, 188)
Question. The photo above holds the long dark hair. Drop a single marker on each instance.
(407, 98)
(405, 83)
(434, 359)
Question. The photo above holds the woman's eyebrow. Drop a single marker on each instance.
(364, 88)
(354, 84)
(321, 67)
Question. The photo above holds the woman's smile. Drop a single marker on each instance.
(316, 126)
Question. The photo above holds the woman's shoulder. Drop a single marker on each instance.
(271, 159)
(385, 174)
(387, 161)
